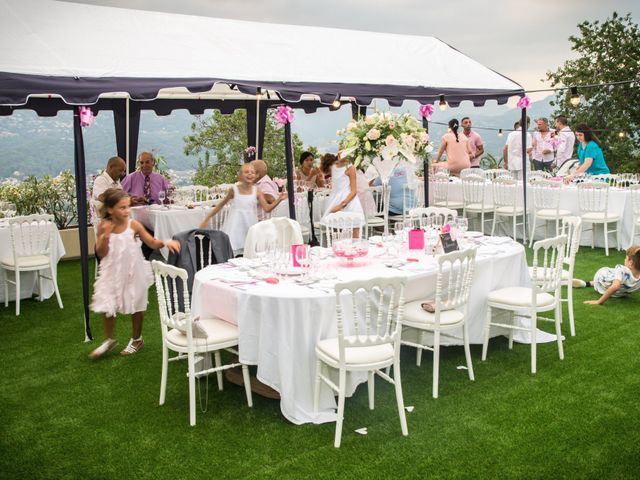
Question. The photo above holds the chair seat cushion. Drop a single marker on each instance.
(551, 213)
(509, 210)
(449, 204)
(414, 315)
(599, 217)
(216, 331)
(27, 262)
(477, 207)
(519, 297)
(355, 355)
(372, 221)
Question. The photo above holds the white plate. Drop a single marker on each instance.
(474, 234)
(289, 271)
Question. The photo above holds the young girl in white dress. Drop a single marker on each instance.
(344, 192)
(124, 276)
(244, 210)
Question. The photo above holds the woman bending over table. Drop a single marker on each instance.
(589, 153)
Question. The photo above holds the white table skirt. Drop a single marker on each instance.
(28, 280)
(619, 204)
(280, 324)
(165, 223)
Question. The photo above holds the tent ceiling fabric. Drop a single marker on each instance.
(80, 51)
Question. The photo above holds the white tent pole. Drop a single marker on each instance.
(126, 136)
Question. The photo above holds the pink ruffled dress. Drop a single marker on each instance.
(124, 277)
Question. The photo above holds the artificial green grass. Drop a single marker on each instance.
(64, 416)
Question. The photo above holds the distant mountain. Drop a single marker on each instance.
(32, 145)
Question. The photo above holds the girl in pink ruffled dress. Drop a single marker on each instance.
(124, 276)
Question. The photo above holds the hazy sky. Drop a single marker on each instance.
(520, 39)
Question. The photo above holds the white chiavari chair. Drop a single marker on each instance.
(477, 198)
(31, 247)
(451, 310)
(369, 342)
(191, 338)
(546, 206)
(505, 205)
(593, 198)
(544, 296)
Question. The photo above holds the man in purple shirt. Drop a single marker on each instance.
(475, 142)
(144, 185)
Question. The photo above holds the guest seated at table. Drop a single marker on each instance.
(397, 183)
(109, 178)
(589, 153)
(268, 187)
(307, 173)
(145, 185)
(457, 148)
(243, 213)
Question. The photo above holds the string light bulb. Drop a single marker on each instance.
(500, 132)
(621, 134)
(575, 97)
(336, 103)
(442, 104)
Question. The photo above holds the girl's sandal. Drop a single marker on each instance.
(104, 348)
(133, 347)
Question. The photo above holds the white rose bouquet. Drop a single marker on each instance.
(385, 136)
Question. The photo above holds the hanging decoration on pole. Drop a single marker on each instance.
(86, 116)
(524, 102)
(284, 115)
(426, 111)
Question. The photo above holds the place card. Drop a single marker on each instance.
(448, 244)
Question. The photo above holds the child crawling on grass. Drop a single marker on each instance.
(618, 281)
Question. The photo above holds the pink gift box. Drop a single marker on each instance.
(293, 254)
(416, 239)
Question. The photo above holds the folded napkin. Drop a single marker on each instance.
(244, 262)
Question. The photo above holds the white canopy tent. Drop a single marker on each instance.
(120, 47)
(78, 54)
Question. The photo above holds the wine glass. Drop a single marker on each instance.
(463, 225)
(398, 228)
(302, 256)
(161, 196)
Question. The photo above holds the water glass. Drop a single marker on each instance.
(302, 256)
(161, 196)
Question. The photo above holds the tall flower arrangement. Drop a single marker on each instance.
(384, 135)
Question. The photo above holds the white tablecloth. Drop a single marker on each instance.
(280, 324)
(619, 204)
(28, 283)
(166, 222)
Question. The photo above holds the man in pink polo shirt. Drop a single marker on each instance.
(475, 142)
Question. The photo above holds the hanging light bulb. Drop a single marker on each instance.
(575, 97)
(336, 103)
(621, 134)
(500, 132)
(442, 104)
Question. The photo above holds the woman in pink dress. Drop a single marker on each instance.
(457, 149)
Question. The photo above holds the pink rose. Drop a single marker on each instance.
(390, 140)
(373, 134)
(424, 138)
(392, 124)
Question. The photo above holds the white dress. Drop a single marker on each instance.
(340, 188)
(124, 277)
(242, 216)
